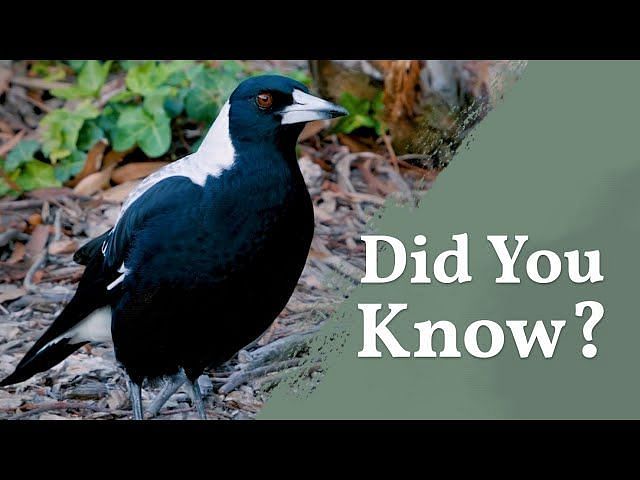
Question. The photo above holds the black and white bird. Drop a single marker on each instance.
(205, 253)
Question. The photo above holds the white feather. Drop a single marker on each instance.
(94, 328)
(216, 154)
(123, 270)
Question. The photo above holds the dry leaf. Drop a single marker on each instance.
(11, 294)
(18, 253)
(313, 128)
(93, 183)
(35, 219)
(134, 171)
(120, 192)
(10, 403)
(354, 145)
(52, 416)
(38, 240)
(113, 158)
(65, 245)
(49, 193)
(92, 164)
(5, 76)
(37, 277)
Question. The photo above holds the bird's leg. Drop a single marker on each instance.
(196, 395)
(135, 393)
(171, 386)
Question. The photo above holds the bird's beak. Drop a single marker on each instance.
(306, 108)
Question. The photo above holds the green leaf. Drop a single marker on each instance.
(355, 104)
(90, 80)
(174, 105)
(143, 79)
(69, 93)
(209, 90)
(363, 113)
(177, 66)
(37, 174)
(131, 123)
(22, 153)
(93, 75)
(123, 97)
(76, 65)
(109, 117)
(69, 167)
(153, 103)
(155, 140)
(49, 70)
(152, 133)
(89, 135)
(86, 111)
(193, 71)
(129, 64)
(60, 130)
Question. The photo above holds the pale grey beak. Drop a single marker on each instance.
(306, 108)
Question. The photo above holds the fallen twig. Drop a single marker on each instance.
(37, 263)
(243, 376)
(47, 407)
(38, 83)
(37, 202)
(8, 236)
(8, 146)
(279, 349)
(392, 153)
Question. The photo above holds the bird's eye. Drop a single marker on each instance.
(264, 100)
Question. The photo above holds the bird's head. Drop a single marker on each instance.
(273, 106)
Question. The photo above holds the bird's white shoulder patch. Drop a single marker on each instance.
(216, 154)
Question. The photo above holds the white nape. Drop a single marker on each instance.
(215, 154)
(94, 328)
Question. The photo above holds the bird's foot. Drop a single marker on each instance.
(196, 396)
(171, 386)
(135, 394)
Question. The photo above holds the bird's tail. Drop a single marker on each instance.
(36, 362)
(54, 345)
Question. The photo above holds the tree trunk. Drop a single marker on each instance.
(430, 105)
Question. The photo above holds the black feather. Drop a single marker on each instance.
(90, 249)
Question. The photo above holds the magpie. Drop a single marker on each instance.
(205, 252)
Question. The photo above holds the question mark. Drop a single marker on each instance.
(597, 312)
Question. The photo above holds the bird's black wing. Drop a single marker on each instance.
(90, 249)
(166, 196)
(103, 257)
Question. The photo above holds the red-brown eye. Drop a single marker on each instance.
(264, 100)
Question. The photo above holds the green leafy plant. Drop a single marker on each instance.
(363, 113)
(60, 130)
(91, 77)
(155, 98)
(25, 170)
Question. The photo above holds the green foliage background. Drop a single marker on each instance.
(158, 99)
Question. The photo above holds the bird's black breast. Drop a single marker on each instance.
(209, 274)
